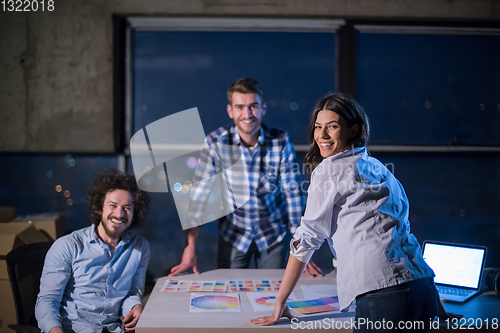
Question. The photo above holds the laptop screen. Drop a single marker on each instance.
(457, 265)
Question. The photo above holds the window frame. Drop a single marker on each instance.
(345, 59)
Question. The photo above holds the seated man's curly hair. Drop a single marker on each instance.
(110, 180)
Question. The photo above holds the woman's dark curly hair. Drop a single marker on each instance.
(346, 107)
(110, 180)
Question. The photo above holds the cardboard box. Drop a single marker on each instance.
(51, 224)
(11, 237)
(7, 214)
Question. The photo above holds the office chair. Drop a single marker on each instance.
(24, 265)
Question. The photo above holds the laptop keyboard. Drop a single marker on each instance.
(454, 291)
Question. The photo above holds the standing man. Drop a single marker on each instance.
(256, 230)
(94, 275)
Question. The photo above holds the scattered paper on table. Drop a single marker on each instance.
(316, 305)
(265, 300)
(215, 303)
(254, 285)
(194, 286)
(318, 291)
(321, 291)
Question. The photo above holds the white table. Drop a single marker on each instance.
(169, 311)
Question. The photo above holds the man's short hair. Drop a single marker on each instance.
(245, 85)
(110, 180)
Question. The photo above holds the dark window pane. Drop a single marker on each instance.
(175, 71)
(29, 183)
(452, 199)
(430, 89)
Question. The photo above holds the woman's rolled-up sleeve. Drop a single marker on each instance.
(318, 223)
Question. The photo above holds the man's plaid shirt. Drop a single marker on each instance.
(274, 184)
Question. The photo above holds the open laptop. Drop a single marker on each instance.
(458, 268)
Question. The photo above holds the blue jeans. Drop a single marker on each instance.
(408, 307)
(231, 257)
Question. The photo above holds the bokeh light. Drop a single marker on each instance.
(191, 162)
(294, 106)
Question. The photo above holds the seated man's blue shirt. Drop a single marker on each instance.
(85, 287)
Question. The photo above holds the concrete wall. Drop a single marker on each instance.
(56, 67)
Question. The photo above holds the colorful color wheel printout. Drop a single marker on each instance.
(208, 303)
(266, 300)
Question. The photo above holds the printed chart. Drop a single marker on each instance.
(316, 305)
(254, 285)
(214, 303)
(319, 291)
(194, 286)
(265, 301)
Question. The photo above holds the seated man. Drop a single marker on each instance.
(94, 275)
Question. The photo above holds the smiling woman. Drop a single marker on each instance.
(331, 133)
(357, 205)
(337, 122)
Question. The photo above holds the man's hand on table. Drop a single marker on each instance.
(188, 260)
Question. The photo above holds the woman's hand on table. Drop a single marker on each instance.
(280, 310)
